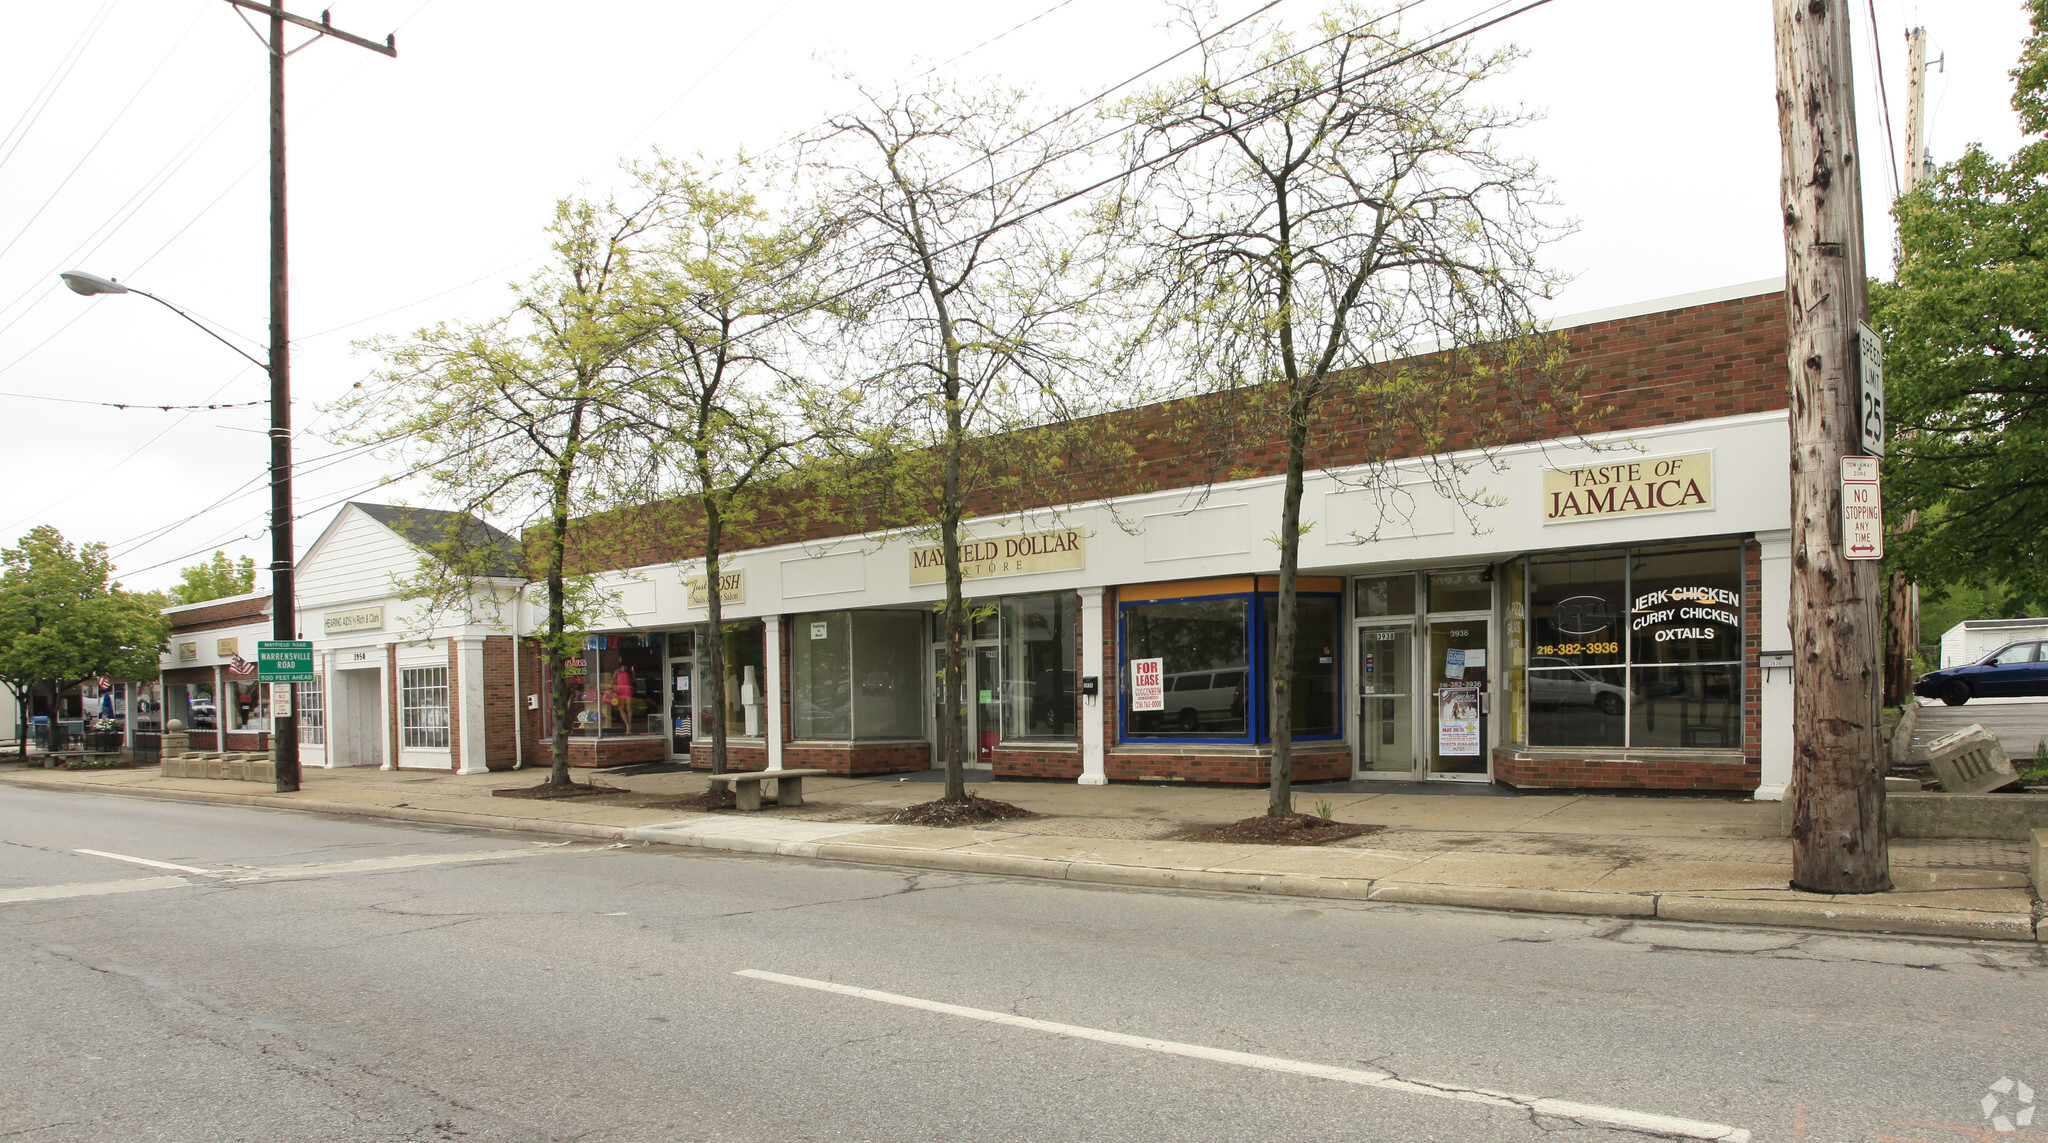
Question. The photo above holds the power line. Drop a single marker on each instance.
(118, 116)
(134, 404)
(48, 92)
(1884, 99)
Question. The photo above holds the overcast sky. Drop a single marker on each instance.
(420, 186)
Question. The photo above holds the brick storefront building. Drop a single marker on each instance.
(1596, 621)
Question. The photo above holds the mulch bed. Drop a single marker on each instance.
(974, 811)
(708, 800)
(1296, 829)
(93, 765)
(547, 791)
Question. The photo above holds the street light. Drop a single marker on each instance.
(284, 611)
(91, 284)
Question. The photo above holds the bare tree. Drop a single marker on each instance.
(968, 317)
(1308, 211)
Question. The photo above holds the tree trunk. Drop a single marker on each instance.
(1838, 840)
(714, 670)
(558, 692)
(1901, 632)
(953, 713)
(1280, 663)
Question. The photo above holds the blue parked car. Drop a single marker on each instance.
(2013, 670)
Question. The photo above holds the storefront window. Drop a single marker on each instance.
(191, 704)
(309, 707)
(857, 675)
(1316, 639)
(1386, 595)
(615, 686)
(1212, 666)
(1461, 591)
(1038, 667)
(1639, 648)
(743, 699)
(1685, 644)
(249, 706)
(423, 708)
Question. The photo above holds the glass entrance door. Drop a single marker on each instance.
(1458, 673)
(681, 725)
(987, 708)
(981, 700)
(1386, 700)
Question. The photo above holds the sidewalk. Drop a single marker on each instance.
(1688, 859)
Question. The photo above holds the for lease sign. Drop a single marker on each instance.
(1148, 684)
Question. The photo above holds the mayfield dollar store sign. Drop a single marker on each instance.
(1629, 488)
(1012, 555)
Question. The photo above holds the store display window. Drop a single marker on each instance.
(857, 675)
(615, 686)
(1039, 652)
(744, 697)
(1636, 647)
(1197, 669)
(248, 706)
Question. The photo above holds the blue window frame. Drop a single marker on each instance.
(1216, 663)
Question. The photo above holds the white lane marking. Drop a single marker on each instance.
(379, 864)
(1584, 1113)
(91, 889)
(142, 861)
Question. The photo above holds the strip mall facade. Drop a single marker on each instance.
(1614, 617)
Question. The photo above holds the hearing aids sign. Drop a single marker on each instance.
(1629, 488)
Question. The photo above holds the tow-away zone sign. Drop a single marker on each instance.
(1862, 509)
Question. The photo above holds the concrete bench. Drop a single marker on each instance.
(746, 786)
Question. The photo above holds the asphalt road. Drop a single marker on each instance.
(330, 979)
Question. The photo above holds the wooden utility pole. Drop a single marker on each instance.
(1902, 607)
(284, 610)
(1838, 840)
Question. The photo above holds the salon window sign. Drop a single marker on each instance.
(732, 588)
(346, 622)
(1148, 684)
(1064, 550)
(1639, 487)
(1457, 722)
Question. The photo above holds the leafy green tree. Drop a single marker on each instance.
(64, 620)
(726, 294)
(1965, 328)
(529, 417)
(218, 578)
(1308, 211)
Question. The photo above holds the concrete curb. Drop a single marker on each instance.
(1862, 917)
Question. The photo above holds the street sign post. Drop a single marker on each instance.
(1862, 509)
(1870, 390)
(282, 661)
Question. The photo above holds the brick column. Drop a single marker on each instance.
(1092, 707)
(772, 687)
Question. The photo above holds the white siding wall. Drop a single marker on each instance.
(355, 560)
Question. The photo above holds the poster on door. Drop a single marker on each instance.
(1457, 722)
(1148, 684)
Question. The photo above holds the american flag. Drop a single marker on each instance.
(241, 666)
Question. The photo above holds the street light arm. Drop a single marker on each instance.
(202, 325)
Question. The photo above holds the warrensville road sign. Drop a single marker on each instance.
(284, 662)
